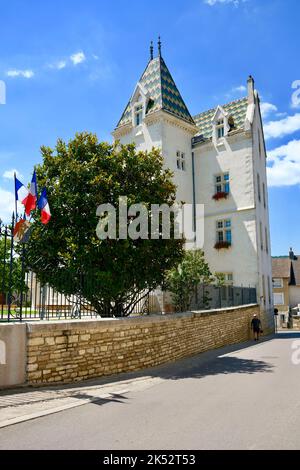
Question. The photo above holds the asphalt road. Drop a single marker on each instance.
(242, 397)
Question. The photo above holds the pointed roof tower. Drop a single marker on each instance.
(162, 92)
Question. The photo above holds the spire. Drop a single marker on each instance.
(159, 46)
(151, 50)
(162, 93)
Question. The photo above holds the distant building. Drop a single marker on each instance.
(218, 158)
(286, 285)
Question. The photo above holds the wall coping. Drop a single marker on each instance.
(126, 322)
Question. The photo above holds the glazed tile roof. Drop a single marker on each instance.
(163, 93)
(237, 109)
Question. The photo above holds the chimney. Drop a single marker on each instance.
(291, 254)
(250, 83)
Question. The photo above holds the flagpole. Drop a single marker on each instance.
(16, 204)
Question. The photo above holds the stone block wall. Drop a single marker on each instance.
(77, 350)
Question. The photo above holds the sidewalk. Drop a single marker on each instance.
(18, 406)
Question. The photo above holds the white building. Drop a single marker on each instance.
(219, 159)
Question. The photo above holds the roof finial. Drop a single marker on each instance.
(151, 50)
(159, 46)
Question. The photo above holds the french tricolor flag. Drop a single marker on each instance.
(20, 191)
(30, 204)
(44, 206)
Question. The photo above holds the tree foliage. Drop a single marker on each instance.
(183, 279)
(66, 253)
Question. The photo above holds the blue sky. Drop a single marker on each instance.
(71, 66)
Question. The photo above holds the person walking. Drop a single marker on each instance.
(256, 327)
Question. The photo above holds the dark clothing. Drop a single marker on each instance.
(255, 325)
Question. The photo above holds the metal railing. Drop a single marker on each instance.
(24, 298)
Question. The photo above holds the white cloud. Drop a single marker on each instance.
(234, 2)
(7, 205)
(9, 174)
(59, 65)
(78, 58)
(267, 109)
(20, 73)
(240, 88)
(285, 165)
(285, 126)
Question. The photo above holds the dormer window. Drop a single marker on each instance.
(220, 128)
(138, 114)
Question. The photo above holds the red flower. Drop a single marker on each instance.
(220, 195)
(224, 244)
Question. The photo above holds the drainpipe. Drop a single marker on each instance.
(194, 198)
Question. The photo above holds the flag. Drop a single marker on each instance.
(32, 196)
(44, 206)
(21, 193)
(22, 231)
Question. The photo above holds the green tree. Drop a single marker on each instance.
(183, 279)
(111, 275)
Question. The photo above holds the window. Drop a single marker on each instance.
(261, 236)
(278, 299)
(259, 144)
(138, 114)
(180, 160)
(277, 283)
(263, 288)
(222, 183)
(220, 128)
(267, 240)
(269, 289)
(258, 187)
(227, 287)
(264, 195)
(224, 231)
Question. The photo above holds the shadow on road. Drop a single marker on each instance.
(219, 365)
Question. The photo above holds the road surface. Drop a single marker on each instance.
(241, 397)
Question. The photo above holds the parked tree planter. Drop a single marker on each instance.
(221, 245)
(220, 195)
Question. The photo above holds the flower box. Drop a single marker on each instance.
(220, 195)
(221, 245)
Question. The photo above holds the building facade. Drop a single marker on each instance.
(286, 287)
(218, 158)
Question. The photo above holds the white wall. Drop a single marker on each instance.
(262, 213)
(233, 156)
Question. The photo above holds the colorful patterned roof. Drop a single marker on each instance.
(237, 109)
(163, 93)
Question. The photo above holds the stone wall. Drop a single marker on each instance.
(77, 350)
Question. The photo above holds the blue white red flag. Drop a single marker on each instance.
(45, 208)
(32, 196)
(21, 193)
